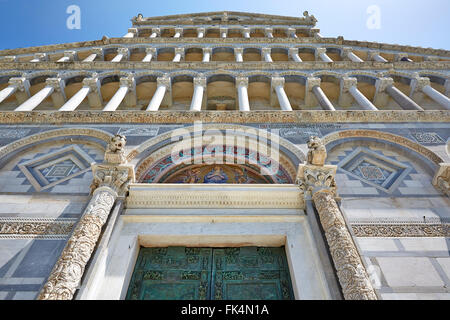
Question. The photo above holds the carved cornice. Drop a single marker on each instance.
(137, 116)
(400, 230)
(17, 228)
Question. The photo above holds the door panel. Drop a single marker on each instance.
(179, 273)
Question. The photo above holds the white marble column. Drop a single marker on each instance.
(52, 84)
(239, 54)
(199, 94)
(423, 85)
(315, 94)
(268, 32)
(39, 57)
(69, 56)
(20, 86)
(292, 33)
(278, 86)
(150, 53)
(242, 86)
(266, 54)
(375, 56)
(293, 53)
(122, 53)
(349, 91)
(163, 85)
(90, 85)
(207, 52)
(126, 84)
(246, 32)
(223, 32)
(179, 54)
(156, 32)
(178, 32)
(96, 53)
(132, 32)
(322, 54)
(347, 53)
(400, 98)
(201, 32)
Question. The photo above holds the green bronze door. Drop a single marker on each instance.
(180, 273)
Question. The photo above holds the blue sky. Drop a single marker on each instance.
(407, 22)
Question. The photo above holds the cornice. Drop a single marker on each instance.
(265, 41)
(181, 117)
(217, 65)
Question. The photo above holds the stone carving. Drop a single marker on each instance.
(317, 152)
(349, 267)
(310, 18)
(33, 227)
(115, 151)
(401, 230)
(314, 179)
(115, 177)
(66, 274)
(442, 179)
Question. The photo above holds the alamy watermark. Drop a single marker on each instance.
(374, 20)
(74, 19)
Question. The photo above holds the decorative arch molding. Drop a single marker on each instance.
(160, 146)
(388, 137)
(8, 151)
(370, 74)
(221, 72)
(12, 73)
(334, 74)
(408, 75)
(103, 75)
(190, 73)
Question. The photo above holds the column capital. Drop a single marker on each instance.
(164, 81)
(157, 31)
(223, 29)
(244, 30)
(180, 30)
(21, 83)
(179, 51)
(72, 55)
(201, 82)
(320, 51)
(123, 51)
(41, 56)
(129, 82)
(371, 54)
(238, 51)
(56, 83)
(345, 51)
(151, 51)
(201, 30)
(207, 50)
(313, 32)
(277, 82)
(311, 82)
(418, 83)
(293, 51)
(441, 180)
(8, 59)
(347, 83)
(268, 30)
(291, 30)
(382, 83)
(93, 83)
(133, 30)
(242, 82)
(266, 51)
(98, 51)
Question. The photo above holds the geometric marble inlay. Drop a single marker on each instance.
(56, 167)
(374, 169)
(427, 137)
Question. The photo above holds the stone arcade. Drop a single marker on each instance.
(96, 202)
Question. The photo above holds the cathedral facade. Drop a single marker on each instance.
(224, 155)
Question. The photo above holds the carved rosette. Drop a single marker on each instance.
(350, 269)
(66, 274)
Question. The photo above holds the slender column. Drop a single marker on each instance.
(381, 97)
(323, 99)
(39, 57)
(242, 85)
(375, 56)
(20, 86)
(95, 95)
(266, 54)
(268, 32)
(110, 182)
(278, 86)
(313, 86)
(317, 181)
(121, 53)
(322, 54)
(132, 32)
(52, 85)
(246, 32)
(156, 32)
(223, 32)
(69, 56)
(150, 53)
(200, 32)
(447, 87)
(239, 54)
(315, 33)
(179, 54)
(347, 53)
(292, 33)
(96, 53)
(207, 52)
(126, 84)
(423, 85)
(349, 91)
(293, 53)
(178, 32)
(199, 92)
(403, 100)
(163, 85)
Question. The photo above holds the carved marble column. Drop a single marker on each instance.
(19, 86)
(317, 181)
(111, 180)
